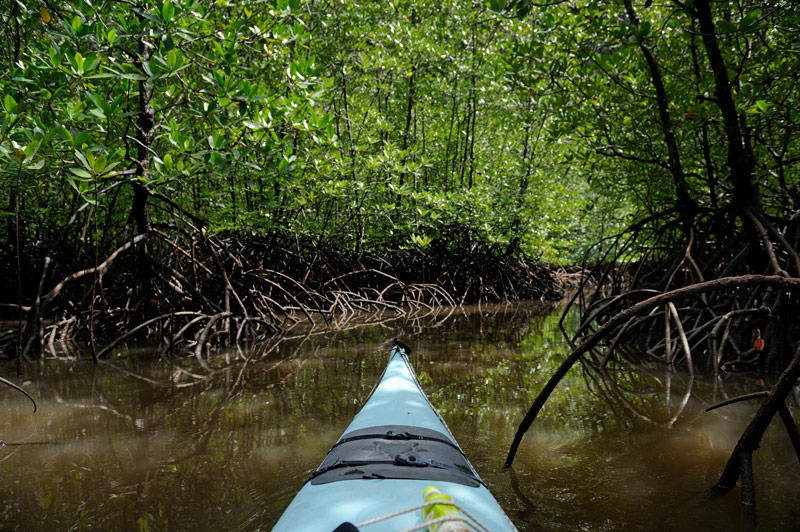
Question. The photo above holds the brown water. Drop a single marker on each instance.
(138, 444)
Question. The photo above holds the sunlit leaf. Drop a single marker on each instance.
(79, 61)
(80, 172)
(167, 11)
(10, 104)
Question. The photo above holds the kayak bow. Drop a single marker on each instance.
(374, 476)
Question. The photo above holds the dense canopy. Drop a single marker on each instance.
(381, 125)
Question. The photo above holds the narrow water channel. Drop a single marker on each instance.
(137, 444)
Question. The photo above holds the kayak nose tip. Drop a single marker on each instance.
(400, 345)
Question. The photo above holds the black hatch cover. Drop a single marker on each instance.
(398, 452)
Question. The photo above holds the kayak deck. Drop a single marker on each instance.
(394, 448)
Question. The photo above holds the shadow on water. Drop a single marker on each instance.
(147, 445)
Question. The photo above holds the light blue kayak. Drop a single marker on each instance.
(375, 475)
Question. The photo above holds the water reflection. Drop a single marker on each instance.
(138, 443)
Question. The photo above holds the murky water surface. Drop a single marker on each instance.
(139, 444)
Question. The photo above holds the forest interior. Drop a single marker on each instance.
(201, 174)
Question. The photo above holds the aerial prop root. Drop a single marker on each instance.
(20, 390)
(786, 416)
(610, 326)
(740, 462)
(43, 302)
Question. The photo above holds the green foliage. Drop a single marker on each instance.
(604, 98)
(201, 67)
(390, 138)
(383, 125)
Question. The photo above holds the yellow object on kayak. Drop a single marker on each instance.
(445, 508)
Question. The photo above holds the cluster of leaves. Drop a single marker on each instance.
(383, 125)
(602, 58)
(231, 90)
(378, 126)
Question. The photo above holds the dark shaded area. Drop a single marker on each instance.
(188, 289)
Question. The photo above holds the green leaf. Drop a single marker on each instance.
(498, 6)
(18, 154)
(91, 63)
(85, 159)
(102, 105)
(167, 11)
(80, 172)
(99, 164)
(174, 59)
(216, 140)
(81, 138)
(79, 61)
(749, 20)
(134, 77)
(32, 148)
(55, 56)
(109, 167)
(10, 105)
(38, 165)
(523, 8)
(147, 15)
(49, 135)
(111, 36)
(66, 134)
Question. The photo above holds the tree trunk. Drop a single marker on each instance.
(685, 203)
(751, 438)
(740, 160)
(448, 171)
(145, 131)
(409, 110)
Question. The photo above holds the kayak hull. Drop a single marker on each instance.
(358, 481)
